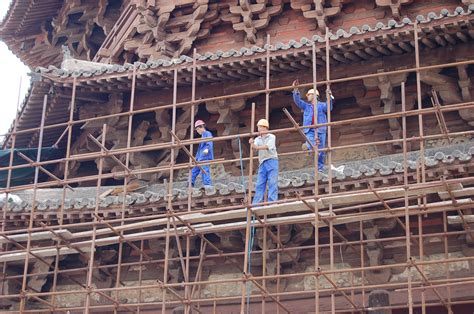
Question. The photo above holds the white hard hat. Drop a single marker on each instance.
(263, 122)
(311, 91)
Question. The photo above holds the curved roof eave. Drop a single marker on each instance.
(24, 16)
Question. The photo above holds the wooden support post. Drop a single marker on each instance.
(440, 116)
(127, 176)
(65, 178)
(316, 190)
(89, 288)
(170, 192)
(187, 292)
(329, 158)
(33, 207)
(420, 242)
(407, 213)
(249, 219)
(5, 209)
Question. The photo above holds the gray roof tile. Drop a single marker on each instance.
(84, 198)
(333, 35)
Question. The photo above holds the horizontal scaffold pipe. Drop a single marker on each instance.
(280, 276)
(187, 165)
(252, 93)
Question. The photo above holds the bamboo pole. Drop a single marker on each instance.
(9, 177)
(248, 219)
(152, 147)
(89, 287)
(316, 188)
(220, 254)
(170, 192)
(330, 174)
(188, 292)
(265, 229)
(255, 92)
(407, 214)
(275, 89)
(33, 206)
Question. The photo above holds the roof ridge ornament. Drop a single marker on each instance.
(71, 64)
(66, 52)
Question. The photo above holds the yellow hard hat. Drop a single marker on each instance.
(263, 122)
(311, 91)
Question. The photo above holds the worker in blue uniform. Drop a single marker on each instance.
(308, 119)
(265, 144)
(205, 152)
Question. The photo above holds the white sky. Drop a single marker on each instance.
(12, 69)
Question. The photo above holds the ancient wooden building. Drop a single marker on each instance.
(98, 215)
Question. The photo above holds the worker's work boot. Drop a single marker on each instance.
(208, 189)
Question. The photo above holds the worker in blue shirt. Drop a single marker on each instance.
(265, 144)
(308, 119)
(205, 152)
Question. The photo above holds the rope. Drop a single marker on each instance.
(252, 226)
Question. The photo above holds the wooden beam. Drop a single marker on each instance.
(37, 236)
(459, 193)
(20, 256)
(457, 220)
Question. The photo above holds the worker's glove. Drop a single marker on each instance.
(295, 85)
(330, 95)
(205, 152)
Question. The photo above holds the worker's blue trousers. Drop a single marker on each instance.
(206, 177)
(267, 174)
(322, 144)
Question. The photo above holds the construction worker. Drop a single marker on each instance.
(308, 119)
(205, 152)
(268, 163)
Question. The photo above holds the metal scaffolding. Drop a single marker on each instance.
(325, 209)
